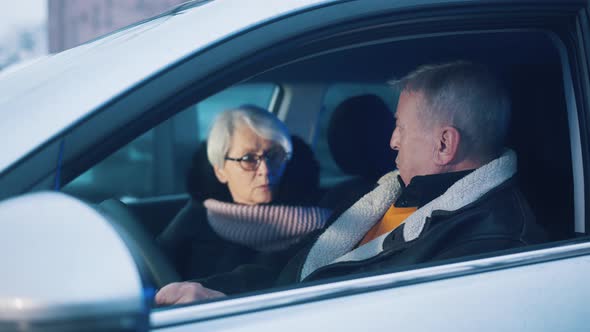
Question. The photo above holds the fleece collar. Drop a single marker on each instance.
(337, 242)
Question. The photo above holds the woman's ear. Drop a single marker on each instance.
(220, 174)
(448, 145)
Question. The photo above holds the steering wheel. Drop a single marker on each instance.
(142, 246)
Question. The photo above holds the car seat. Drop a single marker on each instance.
(359, 133)
(301, 180)
(201, 182)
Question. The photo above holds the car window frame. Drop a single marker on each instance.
(342, 287)
(260, 301)
(423, 273)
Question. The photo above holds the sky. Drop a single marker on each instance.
(17, 13)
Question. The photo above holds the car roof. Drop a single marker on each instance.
(43, 98)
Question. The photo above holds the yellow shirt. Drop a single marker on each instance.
(392, 218)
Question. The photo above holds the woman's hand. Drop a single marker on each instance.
(185, 292)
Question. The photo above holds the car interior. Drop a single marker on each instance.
(339, 107)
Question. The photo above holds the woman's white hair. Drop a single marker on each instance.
(262, 122)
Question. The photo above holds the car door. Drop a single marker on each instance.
(538, 289)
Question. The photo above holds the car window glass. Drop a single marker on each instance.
(337, 93)
(155, 163)
(254, 94)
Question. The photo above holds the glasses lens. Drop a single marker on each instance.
(250, 162)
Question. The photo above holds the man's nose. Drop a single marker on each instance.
(394, 142)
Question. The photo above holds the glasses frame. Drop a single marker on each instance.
(243, 163)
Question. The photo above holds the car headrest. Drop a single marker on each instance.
(301, 180)
(359, 132)
(201, 182)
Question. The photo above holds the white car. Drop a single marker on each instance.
(112, 124)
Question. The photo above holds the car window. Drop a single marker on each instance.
(337, 93)
(155, 163)
(260, 95)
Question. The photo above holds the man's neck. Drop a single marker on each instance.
(424, 188)
(464, 165)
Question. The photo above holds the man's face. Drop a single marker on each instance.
(414, 141)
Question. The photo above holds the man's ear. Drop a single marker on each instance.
(449, 139)
(220, 174)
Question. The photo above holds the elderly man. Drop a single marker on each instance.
(454, 193)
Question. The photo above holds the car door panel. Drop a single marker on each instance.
(525, 297)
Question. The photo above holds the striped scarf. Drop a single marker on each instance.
(264, 227)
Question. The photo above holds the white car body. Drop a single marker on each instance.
(122, 77)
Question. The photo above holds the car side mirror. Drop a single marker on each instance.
(65, 268)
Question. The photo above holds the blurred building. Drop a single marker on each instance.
(73, 22)
(22, 44)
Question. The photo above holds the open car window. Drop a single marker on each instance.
(138, 170)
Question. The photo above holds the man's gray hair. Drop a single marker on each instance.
(262, 122)
(466, 96)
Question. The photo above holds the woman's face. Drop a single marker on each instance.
(254, 186)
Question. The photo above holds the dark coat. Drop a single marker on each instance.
(196, 251)
(501, 219)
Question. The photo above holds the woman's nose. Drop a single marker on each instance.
(263, 167)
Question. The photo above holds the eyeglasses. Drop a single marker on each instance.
(275, 159)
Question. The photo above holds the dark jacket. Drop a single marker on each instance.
(501, 219)
(196, 251)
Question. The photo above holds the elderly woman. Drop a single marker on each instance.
(248, 148)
